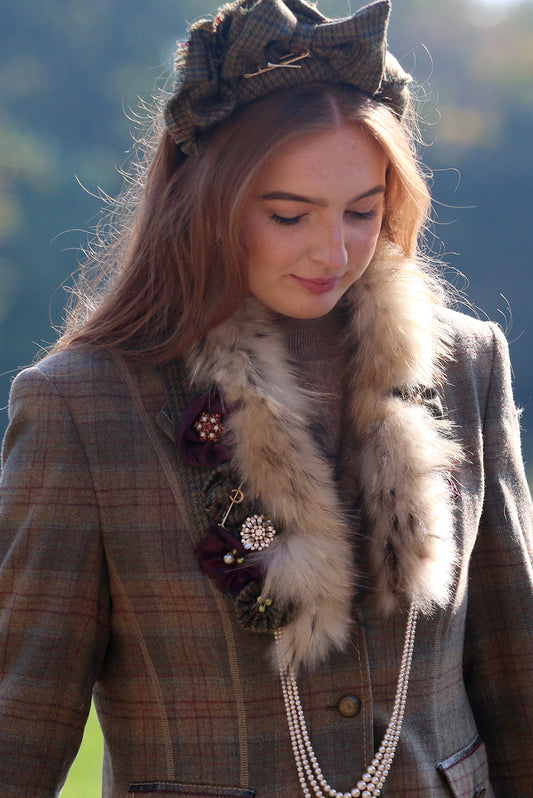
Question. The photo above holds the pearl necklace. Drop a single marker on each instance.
(309, 772)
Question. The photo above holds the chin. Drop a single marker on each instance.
(310, 310)
(309, 307)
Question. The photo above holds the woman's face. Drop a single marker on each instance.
(312, 220)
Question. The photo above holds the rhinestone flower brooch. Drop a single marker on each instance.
(230, 550)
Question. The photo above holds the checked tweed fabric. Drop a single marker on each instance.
(227, 61)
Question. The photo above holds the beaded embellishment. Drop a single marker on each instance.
(228, 554)
(257, 533)
(209, 427)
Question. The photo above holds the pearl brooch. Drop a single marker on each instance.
(209, 427)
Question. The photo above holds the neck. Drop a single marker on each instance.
(313, 339)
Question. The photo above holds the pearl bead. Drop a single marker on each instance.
(372, 781)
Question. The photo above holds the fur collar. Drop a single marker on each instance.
(403, 455)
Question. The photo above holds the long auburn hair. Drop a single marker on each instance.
(176, 266)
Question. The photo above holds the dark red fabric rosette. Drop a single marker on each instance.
(223, 557)
(194, 450)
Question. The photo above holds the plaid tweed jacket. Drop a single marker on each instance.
(100, 592)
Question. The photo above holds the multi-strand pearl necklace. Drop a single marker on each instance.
(309, 773)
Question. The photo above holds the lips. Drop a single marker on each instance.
(319, 285)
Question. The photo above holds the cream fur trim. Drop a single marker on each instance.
(404, 455)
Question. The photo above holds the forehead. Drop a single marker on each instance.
(330, 161)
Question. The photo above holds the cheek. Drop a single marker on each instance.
(263, 261)
(363, 245)
(271, 250)
(260, 239)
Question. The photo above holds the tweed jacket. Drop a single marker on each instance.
(101, 593)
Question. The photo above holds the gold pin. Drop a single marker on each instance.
(236, 497)
(288, 61)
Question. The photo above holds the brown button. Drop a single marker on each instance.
(349, 706)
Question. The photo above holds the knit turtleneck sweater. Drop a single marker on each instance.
(318, 349)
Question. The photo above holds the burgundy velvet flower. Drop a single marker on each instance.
(223, 557)
(199, 433)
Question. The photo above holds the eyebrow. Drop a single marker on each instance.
(287, 195)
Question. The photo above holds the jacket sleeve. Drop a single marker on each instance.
(54, 596)
(499, 631)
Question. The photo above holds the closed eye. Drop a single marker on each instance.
(288, 221)
(285, 220)
(359, 215)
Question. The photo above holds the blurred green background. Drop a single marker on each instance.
(71, 75)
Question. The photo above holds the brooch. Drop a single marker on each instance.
(226, 554)
(200, 431)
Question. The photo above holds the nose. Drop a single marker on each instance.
(329, 246)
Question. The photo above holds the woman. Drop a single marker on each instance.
(265, 500)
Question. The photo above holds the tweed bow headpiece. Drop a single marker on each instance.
(255, 47)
